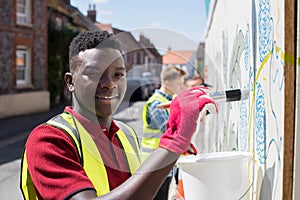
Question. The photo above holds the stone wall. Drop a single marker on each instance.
(34, 36)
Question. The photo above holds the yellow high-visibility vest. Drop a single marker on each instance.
(151, 137)
(89, 155)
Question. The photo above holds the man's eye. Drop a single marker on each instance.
(119, 75)
(92, 75)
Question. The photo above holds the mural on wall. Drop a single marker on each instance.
(251, 48)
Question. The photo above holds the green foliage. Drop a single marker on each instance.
(58, 59)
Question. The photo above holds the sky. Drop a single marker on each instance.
(175, 24)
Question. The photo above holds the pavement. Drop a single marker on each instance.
(9, 180)
(15, 130)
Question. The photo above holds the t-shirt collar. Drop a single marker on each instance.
(91, 127)
(169, 97)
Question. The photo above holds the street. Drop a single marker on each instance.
(15, 133)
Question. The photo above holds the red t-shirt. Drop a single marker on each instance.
(54, 164)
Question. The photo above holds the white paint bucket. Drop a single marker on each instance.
(215, 176)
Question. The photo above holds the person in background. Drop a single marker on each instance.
(83, 153)
(197, 80)
(155, 119)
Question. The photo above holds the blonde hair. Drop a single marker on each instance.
(171, 73)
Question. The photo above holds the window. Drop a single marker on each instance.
(24, 11)
(23, 66)
(134, 58)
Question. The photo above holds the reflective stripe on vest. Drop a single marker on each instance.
(26, 183)
(89, 155)
(151, 136)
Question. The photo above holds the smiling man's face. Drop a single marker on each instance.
(99, 82)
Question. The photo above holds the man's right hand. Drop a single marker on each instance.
(184, 113)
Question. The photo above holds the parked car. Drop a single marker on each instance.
(139, 89)
(153, 82)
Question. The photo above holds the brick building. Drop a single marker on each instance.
(63, 14)
(23, 57)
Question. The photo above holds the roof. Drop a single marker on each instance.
(104, 27)
(148, 46)
(177, 57)
(129, 43)
(72, 12)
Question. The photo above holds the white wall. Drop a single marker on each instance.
(245, 49)
(24, 103)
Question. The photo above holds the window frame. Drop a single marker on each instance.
(26, 82)
(24, 18)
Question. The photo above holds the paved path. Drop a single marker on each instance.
(9, 181)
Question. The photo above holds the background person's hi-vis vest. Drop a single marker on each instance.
(151, 137)
(89, 155)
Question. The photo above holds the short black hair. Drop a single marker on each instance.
(89, 40)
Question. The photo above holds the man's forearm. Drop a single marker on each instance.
(147, 180)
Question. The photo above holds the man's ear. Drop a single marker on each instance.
(69, 81)
(166, 83)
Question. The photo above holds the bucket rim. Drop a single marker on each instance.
(215, 156)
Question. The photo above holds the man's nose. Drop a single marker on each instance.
(107, 82)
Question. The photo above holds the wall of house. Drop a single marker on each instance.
(33, 36)
(24, 103)
(245, 49)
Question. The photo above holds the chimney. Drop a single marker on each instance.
(92, 14)
(143, 39)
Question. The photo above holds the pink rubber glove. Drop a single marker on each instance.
(182, 122)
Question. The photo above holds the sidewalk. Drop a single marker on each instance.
(9, 181)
